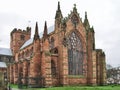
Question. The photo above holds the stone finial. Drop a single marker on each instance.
(85, 15)
(74, 8)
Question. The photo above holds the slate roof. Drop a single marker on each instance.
(30, 41)
(5, 51)
(3, 65)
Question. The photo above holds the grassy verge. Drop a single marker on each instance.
(13, 86)
(111, 87)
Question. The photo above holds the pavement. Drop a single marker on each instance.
(18, 89)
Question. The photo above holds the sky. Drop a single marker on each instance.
(103, 15)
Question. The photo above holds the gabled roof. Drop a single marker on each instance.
(3, 65)
(30, 41)
(5, 51)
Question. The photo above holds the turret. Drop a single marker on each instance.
(93, 37)
(86, 22)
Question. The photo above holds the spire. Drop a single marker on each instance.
(92, 29)
(58, 6)
(36, 35)
(45, 30)
(86, 22)
(58, 12)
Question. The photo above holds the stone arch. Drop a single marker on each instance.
(20, 72)
(75, 53)
(83, 39)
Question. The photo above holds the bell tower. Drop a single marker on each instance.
(18, 38)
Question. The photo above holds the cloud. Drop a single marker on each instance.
(104, 15)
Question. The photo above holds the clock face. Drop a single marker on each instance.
(74, 19)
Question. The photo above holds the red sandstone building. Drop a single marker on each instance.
(65, 56)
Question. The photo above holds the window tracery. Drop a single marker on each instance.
(75, 54)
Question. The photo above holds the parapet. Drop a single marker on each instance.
(27, 31)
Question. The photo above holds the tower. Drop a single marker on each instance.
(18, 38)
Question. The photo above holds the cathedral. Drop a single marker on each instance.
(64, 56)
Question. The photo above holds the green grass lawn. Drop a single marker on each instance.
(112, 87)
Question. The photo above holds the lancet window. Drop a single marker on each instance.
(53, 68)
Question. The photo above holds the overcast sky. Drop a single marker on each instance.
(104, 15)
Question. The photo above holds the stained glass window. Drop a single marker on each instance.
(75, 54)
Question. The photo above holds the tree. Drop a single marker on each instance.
(108, 66)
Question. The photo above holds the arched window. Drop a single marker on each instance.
(75, 54)
(56, 51)
(53, 68)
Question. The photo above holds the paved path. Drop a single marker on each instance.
(19, 89)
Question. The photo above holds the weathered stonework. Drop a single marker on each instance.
(46, 61)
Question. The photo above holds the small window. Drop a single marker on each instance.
(53, 68)
(22, 37)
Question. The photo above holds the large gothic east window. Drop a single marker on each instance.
(75, 54)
